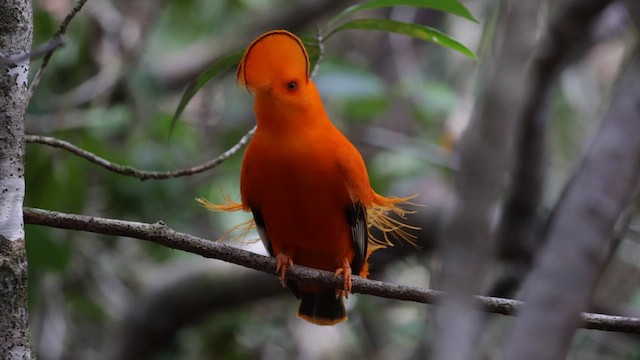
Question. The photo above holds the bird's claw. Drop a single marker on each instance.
(345, 271)
(284, 262)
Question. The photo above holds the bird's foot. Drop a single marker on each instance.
(284, 262)
(345, 271)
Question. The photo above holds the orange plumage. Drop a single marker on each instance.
(304, 182)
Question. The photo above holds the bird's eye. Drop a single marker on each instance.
(292, 85)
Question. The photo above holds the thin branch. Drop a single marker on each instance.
(43, 49)
(139, 174)
(160, 233)
(61, 30)
(40, 50)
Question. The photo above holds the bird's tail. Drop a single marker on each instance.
(227, 205)
(322, 308)
(240, 231)
(378, 216)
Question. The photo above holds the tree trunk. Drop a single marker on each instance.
(16, 27)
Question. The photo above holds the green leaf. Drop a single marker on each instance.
(313, 50)
(450, 6)
(410, 29)
(217, 68)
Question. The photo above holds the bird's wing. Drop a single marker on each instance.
(357, 219)
(262, 230)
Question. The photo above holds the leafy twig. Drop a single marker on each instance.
(320, 40)
(139, 174)
(162, 234)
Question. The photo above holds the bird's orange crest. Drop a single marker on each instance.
(274, 55)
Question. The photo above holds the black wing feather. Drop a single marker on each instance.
(357, 218)
(262, 230)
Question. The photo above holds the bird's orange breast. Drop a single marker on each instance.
(299, 185)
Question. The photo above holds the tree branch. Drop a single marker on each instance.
(41, 50)
(518, 237)
(579, 230)
(161, 234)
(61, 30)
(633, 8)
(320, 40)
(139, 174)
(485, 160)
(151, 322)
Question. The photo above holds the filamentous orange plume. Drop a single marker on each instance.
(304, 182)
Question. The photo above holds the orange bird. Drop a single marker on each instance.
(304, 182)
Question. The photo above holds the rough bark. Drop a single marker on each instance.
(16, 27)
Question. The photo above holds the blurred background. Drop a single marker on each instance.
(113, 89)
